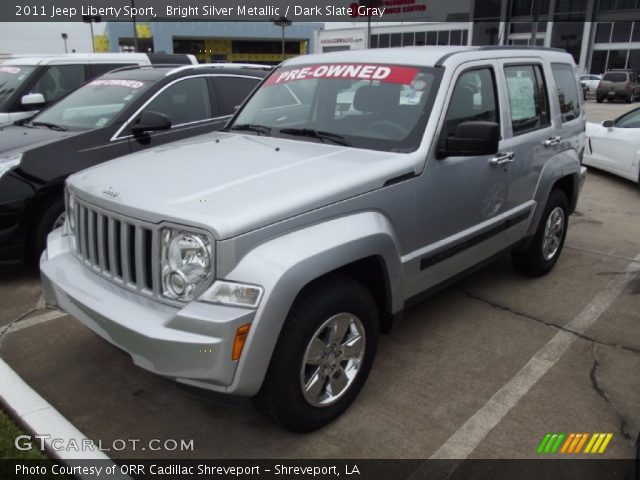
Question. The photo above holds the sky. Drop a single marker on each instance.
(45, 37)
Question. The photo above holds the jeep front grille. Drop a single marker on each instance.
(119, 248)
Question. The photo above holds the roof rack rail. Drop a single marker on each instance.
(157, 65)
(255, 66)
(521, 47)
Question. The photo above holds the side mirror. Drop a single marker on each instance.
(471, 139)
(608, 124)
(33, 100)
(150, 121)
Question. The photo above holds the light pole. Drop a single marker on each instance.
(90, 19)
(64, 37)
(282, 22)
(135, 27)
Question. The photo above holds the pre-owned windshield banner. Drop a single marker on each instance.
(383, 73)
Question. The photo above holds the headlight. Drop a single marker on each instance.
(233, 294)
(186, 263)
(7, 164)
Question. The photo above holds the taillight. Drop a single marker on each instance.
(628, 85)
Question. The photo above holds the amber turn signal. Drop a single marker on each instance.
(238, 343)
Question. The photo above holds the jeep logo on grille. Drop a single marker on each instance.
(111, 192)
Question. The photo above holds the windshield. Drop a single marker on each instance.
(11, 77)
(93, 105)
(380, 107)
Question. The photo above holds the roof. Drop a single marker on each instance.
(156, 72)
(78, 57)
(427, 56)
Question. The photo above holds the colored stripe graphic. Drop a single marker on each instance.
(573, 443)
(581, 443)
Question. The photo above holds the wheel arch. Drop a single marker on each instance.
(362, 246)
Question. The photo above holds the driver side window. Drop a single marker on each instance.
(473, 98)
(183, 102)
(630, 120)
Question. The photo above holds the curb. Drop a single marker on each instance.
(28, 408)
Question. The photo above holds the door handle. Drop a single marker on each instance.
(551, 141)
(502, 158)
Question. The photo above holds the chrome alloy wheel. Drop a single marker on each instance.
(332, 359)
(553, 232)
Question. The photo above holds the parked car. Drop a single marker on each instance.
(591, 81)
(618, 85)
(29, 83)
(262, 261)
(614, 146)
(125, 111)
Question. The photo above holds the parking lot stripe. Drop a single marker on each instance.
(36, 320)
(475, 429)
(41, 418)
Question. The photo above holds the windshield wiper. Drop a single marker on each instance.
(322, 136)
(52, 126)
(252, 127)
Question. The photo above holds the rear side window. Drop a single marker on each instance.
(615, 77)
(527, 98)
(58, 80)
(567, 91)
(232, 91)
(473, 98)
(98, 69)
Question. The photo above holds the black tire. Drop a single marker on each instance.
(629, 98)
(531, 261)
(599, 99)
(281, 396)
(43, 226)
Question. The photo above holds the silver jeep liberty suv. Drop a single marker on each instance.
(263, 261)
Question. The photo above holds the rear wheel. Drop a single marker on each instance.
(599, 99)
(323, 356)
(629, 98)
(543, 252)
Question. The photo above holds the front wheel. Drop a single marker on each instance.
(50, 218)
(323, 356)
(543, 252)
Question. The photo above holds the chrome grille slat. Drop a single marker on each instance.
(82, 229)
(140, 260)
(124, 253)
(102, 254)
(121, 249)
(111, 241)
(91, 239)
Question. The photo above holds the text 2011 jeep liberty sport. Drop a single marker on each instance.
(262, 261)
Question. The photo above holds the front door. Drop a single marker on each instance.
(459, 199)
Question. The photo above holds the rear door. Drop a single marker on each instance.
(530, 134)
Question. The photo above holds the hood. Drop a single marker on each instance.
(235, 183)
(16, 139)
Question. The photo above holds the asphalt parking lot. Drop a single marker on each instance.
(485, 368)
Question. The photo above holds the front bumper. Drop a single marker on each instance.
(583, 175)
(191, 345)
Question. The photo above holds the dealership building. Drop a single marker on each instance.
(254, 42)
(600, 34)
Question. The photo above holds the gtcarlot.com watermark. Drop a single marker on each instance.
(28, 442)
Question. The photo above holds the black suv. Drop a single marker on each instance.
(618, 84)
(124, 111)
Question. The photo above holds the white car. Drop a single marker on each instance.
(614, 145)
(591, 81)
